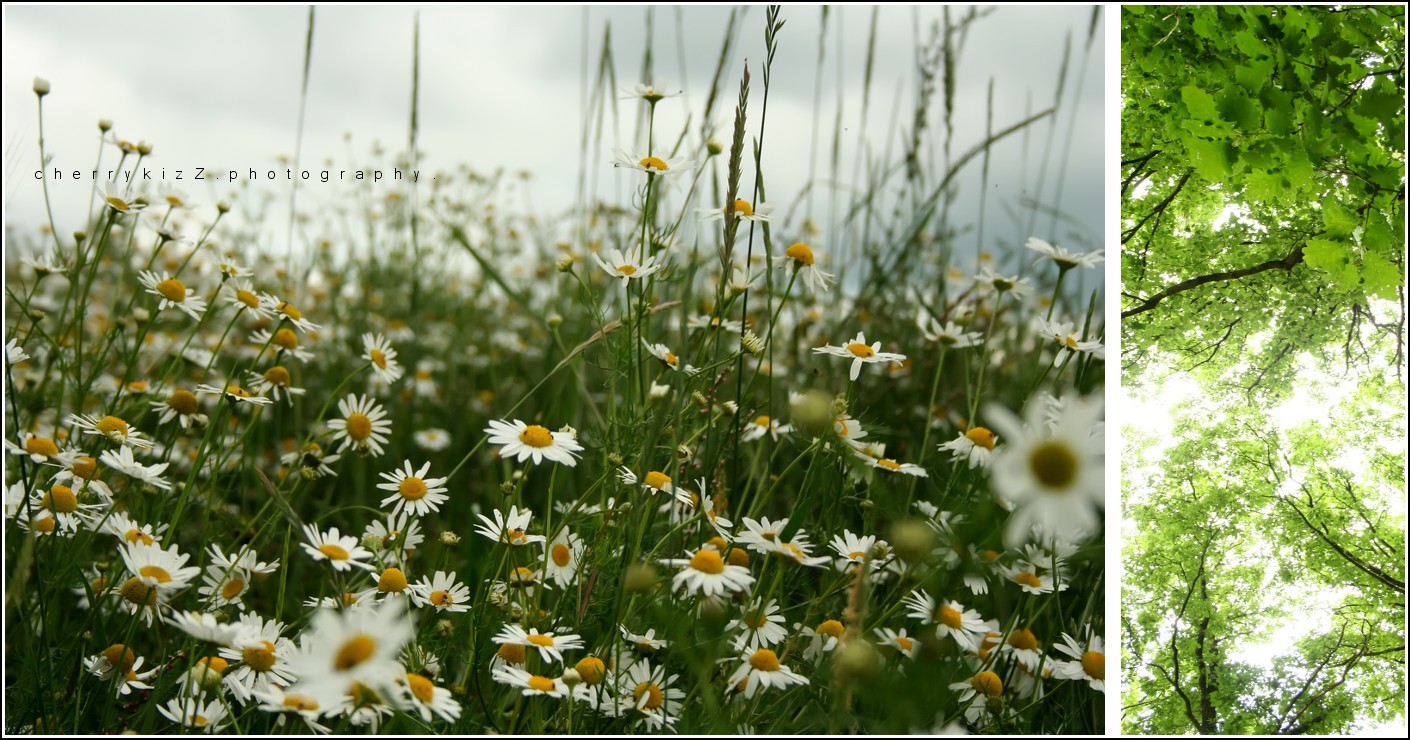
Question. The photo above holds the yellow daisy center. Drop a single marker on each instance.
(232, 588)
(708, 561)
(1094, 664)
(536, 436)
(764, 659)
(300, 702)
(561, 555)
(987, 683)
(591, 669)
(392, 581)
(539, 640)
(441, 598)
(118, 203)
(120, 656)
(651, 691)
(1030, 580)
(172, 290)
(738, 556)
(671, 359)
(286, 339)
(333, 551)
(742, 208)
(653, 163)
(421, 687)
(513, 535)
(137, 535)
(627, 270)
(378, 358)
(513, 654)
(860, 350)
(904, 643)
(61, 500)
(289, 310)
(137, 592)
(888, 464)
(260, 658)
(355, 651)
(47, 525)
(278, 376)
(981, 437)
(412, 488)
(830, 628)
(237, 391)
(521, 576)
(800, 253)
(155, 572)
(214, 663)
(762, 421)
(1053, 464)
(1023, 640)
(41, 446)
(658, 480)
(950, 617)
(112, 427)
(359, 427)
(246, 297)
(182, 402)
(539, 683)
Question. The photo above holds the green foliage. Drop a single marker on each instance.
(1263, 255)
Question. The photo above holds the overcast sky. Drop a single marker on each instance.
(502, 87)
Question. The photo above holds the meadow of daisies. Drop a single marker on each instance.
(676, 463)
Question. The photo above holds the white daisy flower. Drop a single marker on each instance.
(122, 461)
(645, 693)
(550, 646)
(285, 342)
(111, 428)
(524, 441)
(240, 294)
(358, 646)
(510, 530)
(760, 626)
(116, 197)
(976, 693)
(562, 558)
(651, 165)
(760, 670)
(14, 355)
(181, 406)
(666, 356)
(529, 683)
(741, 208)
(951, 618)
(233, 393)
(1065, 260)
(118, 663)
(1051, 477)
(646, 644)
(432, 440)
(658, 482)
(1088, 664)
(626, 267)
(1024, 647)
(378, 351)
(341, 551)
(173, 293)
(364, 425)
(706, 573)
(800, 258)
(39, 449)
(860, 353)
(158, 574)
(822, 640)
(205, 717)
(761, 426)
(276, 382)
(413, 491)
(975, 445)
(946, 334)
(898, 641)
(421, 694)
(287, 310)
(1067, 338)
(443, 592)
(714, 322)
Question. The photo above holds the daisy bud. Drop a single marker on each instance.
(913, 540)
(144, 148)
(372, 542)
(590, 670)
(497, 599)
(79, 236)
(571, 678)
(450, 538)
(684, 453)
(639, 578)
(713, 146)
(41, 86)
(614, 459)
(730, 407)
(752, 343)
(36, 314)
(856, 660)
(222, 207)
(700, 398)
(444, 627)
(812, 412)
(554, 321)
(141, 314)
(565, 263)
(506, 487)
(105, 124)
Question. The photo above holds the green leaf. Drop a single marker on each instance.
(1254, 74)
(1339, 221)
(1212, 159)
(1379, 277)
(1199, 103)
(1333, 258)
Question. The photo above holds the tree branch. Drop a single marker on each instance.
(1286, 263)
